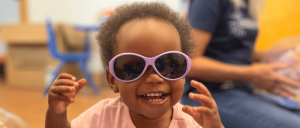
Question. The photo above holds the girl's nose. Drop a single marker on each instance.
(152, 77)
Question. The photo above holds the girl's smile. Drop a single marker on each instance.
(155, 98)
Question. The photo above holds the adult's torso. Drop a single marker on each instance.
(233, 31)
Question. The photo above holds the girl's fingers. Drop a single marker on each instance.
(66, 76)
(188, 110)
(66, 88)
(64, 82)
(204, 110)
(197, 111)
(71, 95)
(81, 83)
(62, 89)
(65, 98)
(204, 100)
(201, 88)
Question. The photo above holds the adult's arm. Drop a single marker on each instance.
(207, 69)
(257, 54)
(263, 75)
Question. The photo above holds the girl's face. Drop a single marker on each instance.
(148, 37)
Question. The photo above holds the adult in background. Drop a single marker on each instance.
(224, 33)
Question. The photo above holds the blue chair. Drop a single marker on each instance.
(80, 58)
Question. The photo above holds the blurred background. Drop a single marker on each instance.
(27, 65)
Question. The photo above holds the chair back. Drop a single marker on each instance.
(52, 40)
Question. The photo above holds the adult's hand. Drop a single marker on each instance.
(264, 76)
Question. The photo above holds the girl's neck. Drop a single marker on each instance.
(144, 122)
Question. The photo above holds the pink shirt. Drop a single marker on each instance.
(113, 113)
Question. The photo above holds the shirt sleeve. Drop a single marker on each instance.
(205, 14)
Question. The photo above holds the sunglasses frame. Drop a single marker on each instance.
(149, 61)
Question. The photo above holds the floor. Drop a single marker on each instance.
(31, 106)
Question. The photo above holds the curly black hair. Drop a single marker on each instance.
(108, 32)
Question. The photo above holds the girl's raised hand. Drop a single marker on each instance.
(62, 92)
(206, 115)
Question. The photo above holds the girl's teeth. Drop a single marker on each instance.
(154, 97)
(154, 94)
(155, 100)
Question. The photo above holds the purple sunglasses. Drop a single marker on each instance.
(171, 65)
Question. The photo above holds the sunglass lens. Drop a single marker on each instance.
(172, 65)
(128, 67)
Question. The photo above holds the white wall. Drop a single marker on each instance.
(9, 11)
(77, 11)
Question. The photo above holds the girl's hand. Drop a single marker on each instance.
(206, 115)
(62, 92)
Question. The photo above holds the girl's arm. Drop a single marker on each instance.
(62, 92)
(56, 120)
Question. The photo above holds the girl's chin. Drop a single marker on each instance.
(156, 115)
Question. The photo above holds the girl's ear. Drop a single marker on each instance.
(111, 81)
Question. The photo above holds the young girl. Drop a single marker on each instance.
(144, 47)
